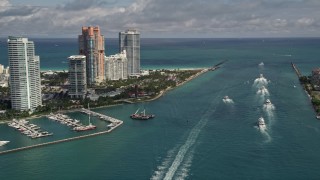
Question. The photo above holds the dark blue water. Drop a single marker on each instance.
(195, 135)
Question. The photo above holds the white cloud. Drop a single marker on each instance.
(214, 18)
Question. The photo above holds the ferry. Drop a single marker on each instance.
(2, 143)
(261, 124)
(142, 115)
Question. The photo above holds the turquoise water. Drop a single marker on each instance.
(195, 135)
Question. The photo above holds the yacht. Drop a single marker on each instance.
(261, 124)
(2, 143)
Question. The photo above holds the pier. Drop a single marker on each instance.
(101, 116)
(64, 119)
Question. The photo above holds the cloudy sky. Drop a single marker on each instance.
(162, 18)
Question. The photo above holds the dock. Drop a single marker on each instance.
(31, 130)
(64, 119)
(101, 116)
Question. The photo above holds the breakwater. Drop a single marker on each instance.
(296, 70)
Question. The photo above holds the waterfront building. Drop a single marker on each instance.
(130, 41)
(116, 66)
(1, 68)
(91, 45)
(77, 76)
(25, 82)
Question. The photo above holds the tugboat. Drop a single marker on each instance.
(142, 115)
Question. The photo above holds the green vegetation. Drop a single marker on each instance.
(130, 90)
(314, 94)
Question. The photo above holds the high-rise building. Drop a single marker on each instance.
(91, 45)
(1, 68)
(25, 82)
(77, 76)
(117, 66)
(130, 41)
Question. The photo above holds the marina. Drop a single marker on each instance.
(63, 140)
(114, 123)
(64, 119)
(31, 130)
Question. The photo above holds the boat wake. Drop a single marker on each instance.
(260, 81)
(269, 109)
(177, 167)
(265, 133)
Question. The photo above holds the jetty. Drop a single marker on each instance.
(296, 70)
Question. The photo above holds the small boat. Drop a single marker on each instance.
(268, 102)
(142, 115)
(261, 124)
(2, 143)
(261, 64)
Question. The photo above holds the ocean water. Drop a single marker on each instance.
(195, 134)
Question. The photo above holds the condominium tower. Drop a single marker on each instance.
(91, 45)
(25, 83)
(117, 66)
(77, 76)
(130, 41)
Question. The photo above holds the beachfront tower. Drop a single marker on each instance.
(117, 66)
(25, 82)
(130, 41)
(91, 45)
(77, 76)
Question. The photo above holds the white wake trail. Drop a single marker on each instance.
(184, 148)
(183, 151)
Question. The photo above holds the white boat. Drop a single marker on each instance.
(261, 124)
(261, 64)
(2, 143)
(268, 102)
(226, 98)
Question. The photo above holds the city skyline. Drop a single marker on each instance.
(196, 19)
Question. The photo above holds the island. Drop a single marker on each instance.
(151, 85)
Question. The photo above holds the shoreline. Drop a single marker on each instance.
(161, 93)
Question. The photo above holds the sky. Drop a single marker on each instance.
(162, 18)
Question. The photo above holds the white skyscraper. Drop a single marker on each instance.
(116, 66)
(25, 82)
(130, 41)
